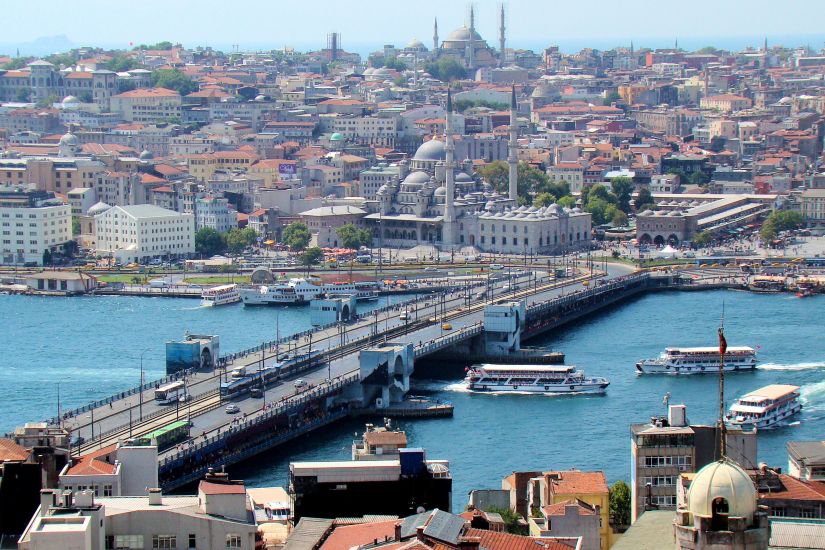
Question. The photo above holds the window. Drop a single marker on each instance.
(164, 541)
(193, 540)
(125, 542)
(107, 490)
(233, 541)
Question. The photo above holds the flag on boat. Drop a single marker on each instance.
(723, 344)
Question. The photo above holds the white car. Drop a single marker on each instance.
(300, 383)
(232, 409)
(496, 267)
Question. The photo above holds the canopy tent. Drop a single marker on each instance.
(667, 252)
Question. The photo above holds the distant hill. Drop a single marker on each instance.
(45, 45)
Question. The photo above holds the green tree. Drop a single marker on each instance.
(567, 201)
(697, 178)
(75, 225)
(511, 520)
(62, 59)
(120, 62)
(238, 239)
(619, 503)
(622, 188)
(173, 79)
(49, 100)
(23, 95)
(462, 105)
(47, 257)
(543, 199)
(311, 256)
(717, 144)
(779, 221)
(395, 64)
(16, 63)
(296, 235)
(446, 69)
(164, 45)
(496, 174)
(598, 208)
(644, 200)
(348, 234)
(702, 239)
(209, 241)
(558, 188)
(619, 219)
(599, 191)
(611, 98)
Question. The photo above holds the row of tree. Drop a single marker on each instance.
(209, 241)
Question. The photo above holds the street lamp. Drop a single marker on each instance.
(140, 392)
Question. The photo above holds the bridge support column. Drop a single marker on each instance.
(503, 323)
(385, 373)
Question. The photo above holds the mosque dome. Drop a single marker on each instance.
(431, 150)
(726, 480)
(70, 100)
(463, 34)
(69, 139)
(463, 177)
(417, 177)
(260, 97)
(146, 155)
(441, 192)
(416, 44)
(97, 208)
(336, 136)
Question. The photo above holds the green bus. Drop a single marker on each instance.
(166, 436)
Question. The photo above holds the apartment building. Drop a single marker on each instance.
(147, 105)
(139, 232)
(31, 222)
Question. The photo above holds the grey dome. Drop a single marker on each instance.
(463, 33)
(69, 139)
(417, 177)
(98, 208)
(433, 150)
(146, 155)
(441, 192)
(463, 177)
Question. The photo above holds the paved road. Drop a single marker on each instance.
(108, 418)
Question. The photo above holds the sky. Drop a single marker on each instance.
(367, 24)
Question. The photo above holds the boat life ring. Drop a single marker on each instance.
(572, 387)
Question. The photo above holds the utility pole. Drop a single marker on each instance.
(140, 391)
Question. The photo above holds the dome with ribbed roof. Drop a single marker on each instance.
(98, 208)
(722, 479)
(433, 149)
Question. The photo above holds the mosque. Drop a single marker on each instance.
(436, 201)
(468, 47)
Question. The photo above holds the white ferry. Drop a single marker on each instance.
(220, 295)
(766, 406)
(698, 361)
(532, 379)
(299, 291)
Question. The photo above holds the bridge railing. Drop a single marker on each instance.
(274, 409)
(447, 339)
(615, 284)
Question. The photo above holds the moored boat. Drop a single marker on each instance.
(765, 407)
(299, 291)
(532, 379)
(698, 360)
(220, 295)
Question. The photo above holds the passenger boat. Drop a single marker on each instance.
(299, 291)
(220, 295)
(532, 379)
(765, 407)
(767, 283)
(698, 361)
(804, 291)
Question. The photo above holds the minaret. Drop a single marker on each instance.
(765, 47)
(512, 157)
(447, 232)
(501, 37)
(435, 36)
(471, 45)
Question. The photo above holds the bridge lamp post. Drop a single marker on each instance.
(140, 392)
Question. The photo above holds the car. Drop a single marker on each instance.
(404, 316)
(256, 392)
(300, 383)
(232, 409)
(185, 397)
(433, 319)
(496, 267)
(446, 326)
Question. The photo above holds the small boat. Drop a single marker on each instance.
(220, 295)
(532, 379)
(699, 360)
(765, 407)
(804, 291)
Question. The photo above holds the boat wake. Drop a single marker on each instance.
(793, 366)
(812, 396)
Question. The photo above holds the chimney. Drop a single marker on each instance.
(155, 497)
(469, 543)
(397, 531)
(47, 500)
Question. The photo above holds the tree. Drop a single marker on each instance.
(598, 208)
(511, 520)
(697, 178)
(717, 144)
(567, 201)
(395, 64)
(23, 95)
(702, 239)
(16, 63)
(312, 256)
(543, 199)
(62, 59)
(496, 174)
(164, 45)
(558, 188)
(779, 221)
(348, 234)
(173, 79)
(622, 188)
(619, 219)
(47, 257)
(209, 241)
(462, 105)
(296, 235)
(644, 200)
(49, 100)
(119, 63)
(619, 503)
(611, 98)
(75, 225)
(238, 239)
(446, 69)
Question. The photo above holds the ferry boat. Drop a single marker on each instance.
(765, 407)
(698, 361)
(220, 295)
(532, 379)
(299, 291)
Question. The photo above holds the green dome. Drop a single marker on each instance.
(336, 137)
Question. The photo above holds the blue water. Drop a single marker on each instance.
(492, 435)
(91, 346)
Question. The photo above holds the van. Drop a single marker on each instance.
(405, 316)
(238, 372)
(256, 392)
(158, 283)
(300, 383)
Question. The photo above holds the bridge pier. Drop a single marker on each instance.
(385, 373)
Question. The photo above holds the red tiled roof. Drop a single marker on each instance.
(492, 540)
(149, 178)
(211, 488)
(559, 509)
(163, 189)
(576, 482)
(94, 463)
(348, 536)
(796, 489)
(82, 75)
(11, 451)
(149, 92)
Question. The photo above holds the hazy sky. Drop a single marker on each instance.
(275, 23)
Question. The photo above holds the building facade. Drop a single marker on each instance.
(31, 222)
(137, 233)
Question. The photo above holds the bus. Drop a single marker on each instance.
(171, 393)
(166, 436)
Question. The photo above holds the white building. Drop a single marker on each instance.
(116, 470)
(220, 516)
(214, 212)
(31, 222)
(140, 232)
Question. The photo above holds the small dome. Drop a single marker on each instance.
(441, 192)
(417, 177)
(463, 177)
(146, 155)
(431, 150)
(722, 479)
(260, 97)
(416, 44)
(98, 208)
(69, 139)
(70, 100)
(336, 137)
